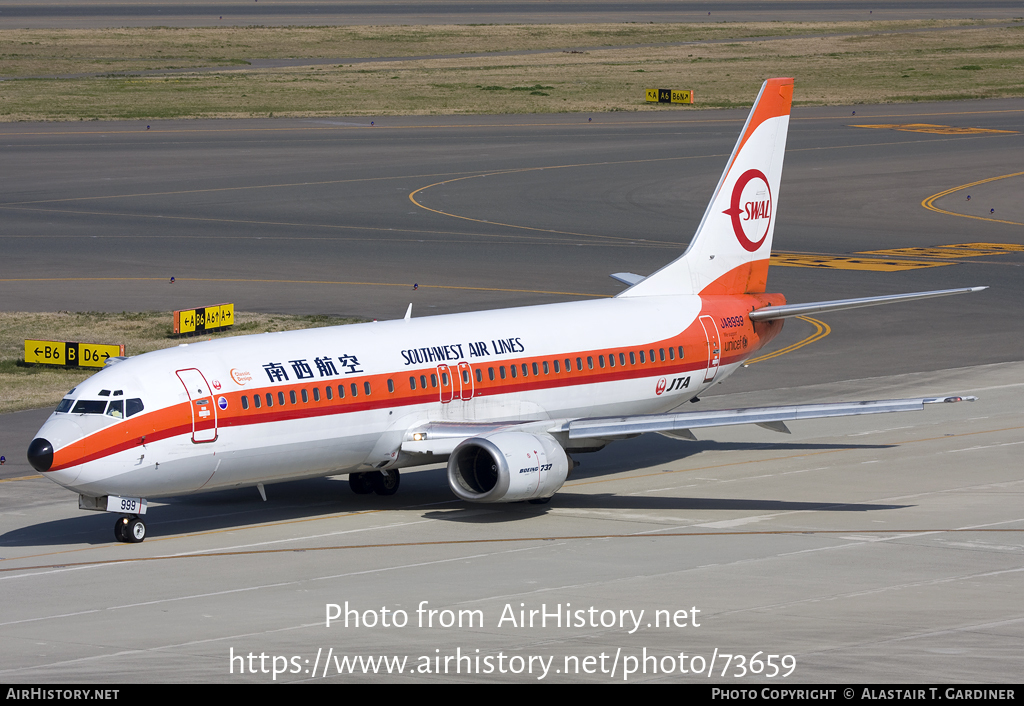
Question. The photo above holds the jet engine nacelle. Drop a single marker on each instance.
(506, 467)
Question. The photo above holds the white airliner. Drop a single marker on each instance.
(504, 396)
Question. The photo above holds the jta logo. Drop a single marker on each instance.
(751, 209)
(662, 384)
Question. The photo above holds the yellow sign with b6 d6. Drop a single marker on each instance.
(88, 355)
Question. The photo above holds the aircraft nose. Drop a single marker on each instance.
(40, 454)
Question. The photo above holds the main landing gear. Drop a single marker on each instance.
(379, 482)
(129, 529)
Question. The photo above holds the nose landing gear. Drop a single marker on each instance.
(129, 529)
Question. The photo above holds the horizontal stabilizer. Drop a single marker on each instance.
(628, 278)
(763, 416)
(780, 312)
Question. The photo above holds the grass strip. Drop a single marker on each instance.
(834, 63)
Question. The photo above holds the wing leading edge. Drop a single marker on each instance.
(768, 417)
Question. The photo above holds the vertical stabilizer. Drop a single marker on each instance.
(730, 251)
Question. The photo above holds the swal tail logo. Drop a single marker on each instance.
(751, 209)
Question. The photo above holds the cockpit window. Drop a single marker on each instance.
(89, 407)
(116, 409)
(132, 406)
(65, 405)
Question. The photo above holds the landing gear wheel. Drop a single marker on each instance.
(360, 483)
(135, 531)
(129, 529)
(385, 482)
(119, 526)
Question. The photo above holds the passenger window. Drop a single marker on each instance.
(501, 371)
(579, 364)
(355, 390)
(245, 402)
(556, 366)
(611, 360)
(444, 379)
(479, 375)
(671, 354)
(590, 362)
(330, 392)
(366, 387)
(280, 398)
(661, 354)
(622, 359)
(535, 373)
(680, 352)
(490, 373)
(632, 358)
(652, 355)
(270, 399)
(642, 357)
(568, 365)
(316, 394)
(512, 369)
(423, 381)
(465, 377)
(116, 409)
(341, 392)
(257, 401)
(305, 395)
(291, 396)
(412, 382)
(525, 371)
(433, 379)
(391, 385)
(545, 366)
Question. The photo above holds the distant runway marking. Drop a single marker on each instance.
(821, 329)
(302, 281)
(844, 262)
(445, 126)
(929, 202)
(936, 129)
(412, 195)
(899, 534)
(951, 251)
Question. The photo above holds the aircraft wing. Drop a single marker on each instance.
(440, 438)
(781, 312)
(679, 423)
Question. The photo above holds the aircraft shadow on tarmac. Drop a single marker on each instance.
(428, 488)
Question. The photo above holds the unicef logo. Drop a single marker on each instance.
(751, 209)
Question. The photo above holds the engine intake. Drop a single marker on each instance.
(507, 466)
